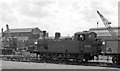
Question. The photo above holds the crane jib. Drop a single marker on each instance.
(107, 25)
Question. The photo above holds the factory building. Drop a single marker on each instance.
(119, 13)
(104, 34)
(22, 37)
(24, 34)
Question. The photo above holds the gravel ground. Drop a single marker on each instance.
(30, 65)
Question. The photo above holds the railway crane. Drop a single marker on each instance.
(107, 25)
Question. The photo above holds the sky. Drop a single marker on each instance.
(64, 16)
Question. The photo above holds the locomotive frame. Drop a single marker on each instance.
(82, 48)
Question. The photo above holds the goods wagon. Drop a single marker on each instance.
(112, 48)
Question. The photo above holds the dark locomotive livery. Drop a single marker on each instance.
(83, 47)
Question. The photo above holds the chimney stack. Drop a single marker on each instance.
(2, 32)
(7, 27)
(44, 34)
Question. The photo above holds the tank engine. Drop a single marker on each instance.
(83, 47)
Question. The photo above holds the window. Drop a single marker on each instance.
(90, 36)
(81, 37)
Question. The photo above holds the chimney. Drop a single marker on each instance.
(7, 27)
(8, 30)
(2, 32)
(44, 34)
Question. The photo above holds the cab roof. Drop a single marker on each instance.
(84, 32)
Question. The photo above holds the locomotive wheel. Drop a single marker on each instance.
(79, 60)
(116, 60)
(60, 60)
(85, 60)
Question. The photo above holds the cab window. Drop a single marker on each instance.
(90, 36)
(81, 37)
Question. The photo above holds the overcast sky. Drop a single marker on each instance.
(65, 16)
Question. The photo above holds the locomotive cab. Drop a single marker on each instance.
(79, 36)
(88, 42)
(84, 36)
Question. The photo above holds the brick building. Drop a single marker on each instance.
(24, 33)
(22, 37)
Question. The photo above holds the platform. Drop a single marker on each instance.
(10, 65)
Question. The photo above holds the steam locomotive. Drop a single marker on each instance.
(83, 47)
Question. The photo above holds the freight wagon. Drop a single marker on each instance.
(112, 48)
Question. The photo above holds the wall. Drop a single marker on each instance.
(119, 13)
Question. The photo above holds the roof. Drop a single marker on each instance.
(84, 32)
(20, 30)
(104, 28)
(102, 31)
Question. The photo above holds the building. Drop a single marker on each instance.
(21, 37)
(103, 33)
(24, 33)
(119, 15)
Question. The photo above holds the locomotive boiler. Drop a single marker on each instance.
(83, 47)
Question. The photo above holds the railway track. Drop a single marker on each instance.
(20, 58)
